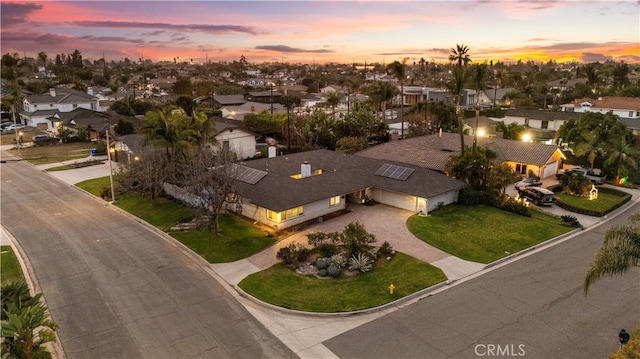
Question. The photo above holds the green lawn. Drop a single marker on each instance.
(282, 287)
(483, 234)
(10, 270)
(603, 203)
(55, 153)
(237, 239)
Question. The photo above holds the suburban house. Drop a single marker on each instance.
(543, 124)
(627, 108)
(433, 152)
(264, 96)
(498, 96)
(237, 112)
(38, 109)
(93, 121)
(232, 136)
(287, 190)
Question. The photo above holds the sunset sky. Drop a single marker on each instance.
(325, 31)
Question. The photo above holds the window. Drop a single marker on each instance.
(335, 201)
(521, 168)
(283, 216)
(544, 124)
(630, 113)
(75, 105)
(93, 106)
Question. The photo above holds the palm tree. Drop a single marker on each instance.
(460, 55)
(456, 86)
(333, 100)
(398, 68)
(479, 76)
(620, 153)
(289, 102)
(589, 147)
(619, 252)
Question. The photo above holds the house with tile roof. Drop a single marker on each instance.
(627, 108)
(284, 191)
(434, 151)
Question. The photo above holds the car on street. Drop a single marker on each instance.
(528, 182)
(538, 195)
(13, 127)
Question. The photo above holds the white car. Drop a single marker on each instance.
(14, 127)
(528, 182)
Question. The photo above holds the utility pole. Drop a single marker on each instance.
(271, 96)
(113, 196)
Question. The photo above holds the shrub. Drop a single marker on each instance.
(327, 249)
(570, 220)
(385, 249)
(322, 264)
(333, 271)
(360, 262)
(469, 197)
(322, 272)
(303, 253)
(288, 255)
(356, 239)
(338, 260)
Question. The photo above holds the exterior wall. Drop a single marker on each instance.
(552, 125)
(445, 198)
(311, 211)
(243, 144)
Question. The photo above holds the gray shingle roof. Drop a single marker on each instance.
(63, 96)
(341, 174)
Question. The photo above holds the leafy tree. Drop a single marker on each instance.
(351, 144)
(264, 123)
(186, 103)
(380, 93)
(333, 100)
(124, 127)
(589, 147)
(183, 86)
(512, 131)
(456, 86)
(621, 156)
(356, 239)
(474, 168)
(619, 252)
(318, 131)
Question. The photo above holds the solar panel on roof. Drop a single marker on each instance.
(247, 174)
(396, 172)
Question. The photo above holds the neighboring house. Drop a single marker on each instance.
(414, 94)
(498, 96)
(329, 89)
(232, 136)
(238, 112)
(542, 124)
(434, 151)
(95, 122)
(264, 96)
(287, 190)
(128, 147)
(37, 109)
(627, 108)
(229, 100)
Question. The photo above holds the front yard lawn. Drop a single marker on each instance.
(39, 155)
(608, 200)
(483, 234)
(10, 270)
(238, 239)
(281, 286)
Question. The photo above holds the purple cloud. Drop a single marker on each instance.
(289, 49)
(213, 29)
(592, 57)
(13, 13)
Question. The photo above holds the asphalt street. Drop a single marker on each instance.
(532, 308)
(117, 287)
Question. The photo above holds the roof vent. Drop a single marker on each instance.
(305, 169)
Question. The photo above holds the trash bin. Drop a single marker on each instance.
(94, 151)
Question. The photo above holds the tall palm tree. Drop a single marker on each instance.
(589, 146)
(619, 252)
(479, 76)
(398, 69)
(460, 75)
(460, 55)
(290, 102)
(621, 154)
(333, 100)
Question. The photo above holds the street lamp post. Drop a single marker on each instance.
(113, 196)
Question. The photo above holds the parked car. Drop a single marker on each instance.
(594, 177)
(538, 195)
(43, 139)
(528, 182)
(13, 127)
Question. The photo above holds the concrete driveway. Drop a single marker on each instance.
(385, 222)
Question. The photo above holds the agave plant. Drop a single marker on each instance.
(338, 260)
(360, 262)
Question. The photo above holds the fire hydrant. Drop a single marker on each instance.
(391, 288)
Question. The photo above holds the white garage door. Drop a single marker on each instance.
(395, 199)
(550, 169)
